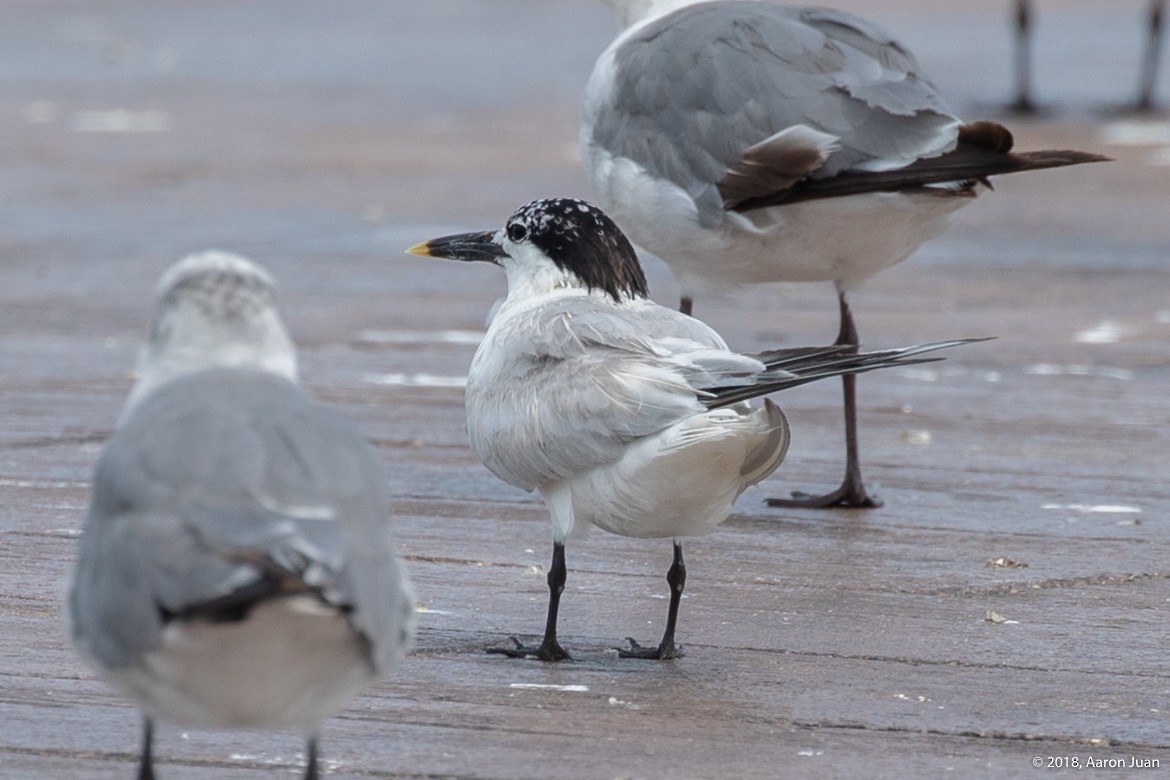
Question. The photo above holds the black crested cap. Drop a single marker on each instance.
(582, 239)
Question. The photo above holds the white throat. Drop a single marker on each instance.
(533, 275)
(527, 282)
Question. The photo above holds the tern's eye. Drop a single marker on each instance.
(517, 232)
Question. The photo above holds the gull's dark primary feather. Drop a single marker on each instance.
(237, 604)
(965, 164)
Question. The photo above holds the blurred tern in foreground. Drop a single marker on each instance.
(745, 142)
(237, 567)
(624, 414)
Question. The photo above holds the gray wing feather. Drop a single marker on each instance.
(594, 378)
(216, 482)
(698, 87)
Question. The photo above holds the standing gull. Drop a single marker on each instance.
(745, 142)
(237, 567)
(624, 414)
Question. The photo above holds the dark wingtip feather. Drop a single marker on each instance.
(1055, 158)
(803, 365)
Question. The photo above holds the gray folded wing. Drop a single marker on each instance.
(570, 384)
(227, 487)
(694, 90)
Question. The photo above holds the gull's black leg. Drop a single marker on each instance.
(852, 493)
(146, 765)
(685, 304)
(311, 772)
(1149, 72)
(549, 649)
(676, 577)
(1023, 102)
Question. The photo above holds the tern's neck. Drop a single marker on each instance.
(529, 290)
(631, 12)
(538, 282)
(528, 282)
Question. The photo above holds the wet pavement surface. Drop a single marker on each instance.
(1010, 601)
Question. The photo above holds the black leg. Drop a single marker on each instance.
(852, 493)
(146, 766)
(1023, 102)
(1149, 72)
(676, 577)
(685, 304)
(311, 759)
(549, 649)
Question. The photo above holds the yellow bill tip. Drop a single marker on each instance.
(422, 249)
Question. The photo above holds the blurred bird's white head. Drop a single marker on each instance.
(630, 12)
(213, 310)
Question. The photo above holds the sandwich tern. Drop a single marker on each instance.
(622, 413)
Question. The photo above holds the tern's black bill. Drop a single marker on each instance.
(462, 246)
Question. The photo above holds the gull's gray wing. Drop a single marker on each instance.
(561, 388)
(223, 489)
(709, 90)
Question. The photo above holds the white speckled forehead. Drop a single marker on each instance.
(566, 216)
